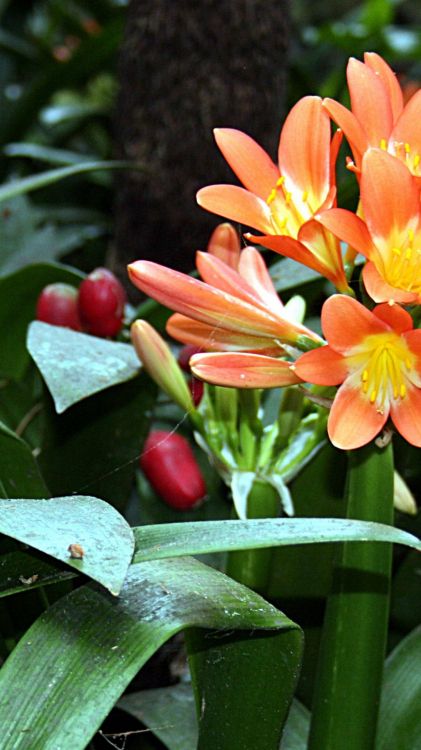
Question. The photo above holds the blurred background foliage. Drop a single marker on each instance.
(58, 87)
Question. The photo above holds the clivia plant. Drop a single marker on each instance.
(304, 404)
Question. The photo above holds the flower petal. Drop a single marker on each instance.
(252, 165)
(389, 197)
(353, 420)
(407, 129)
(304, 149)
(325, 247)
(346, 323)
(370, 101)
(207, 304)
(236, 204)
(216, 273)
(322, 366)
(225, 244)
(352, 129)
(389, 81)
(349, 228)
(215, 339)
(243, 370)
(380, 291)
(252, 269)
(291, 248)
(406, 415)
(395, 317)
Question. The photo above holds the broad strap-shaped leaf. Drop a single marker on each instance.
(75, 365)
(170, 714)
(19, 471)
(171, 540)
(21, 571)
(399, 726)
(52, 526)
(87, 647)
(36, 181)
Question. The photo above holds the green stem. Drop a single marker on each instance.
(350, 670)
(253, 567)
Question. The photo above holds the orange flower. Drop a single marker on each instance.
(281, 201)
(376, 356)
(390, 236)
(243, 370)
(229, 309)
(378, 117)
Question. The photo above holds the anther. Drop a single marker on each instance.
(280, 181)
(373, 396)
(402, 391)
(383, 144)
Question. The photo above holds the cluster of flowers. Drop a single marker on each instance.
(97, 307)
(247, 336)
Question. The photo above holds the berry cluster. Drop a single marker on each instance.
(97, 307)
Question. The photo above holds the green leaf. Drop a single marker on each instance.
(27, 234)
(297, 727)
(95, 446)
(21, 571)
(18, 295)
(170, 714)
(75, 365)
(399, 726)
(51, 526)
(87, 647)
(19, 471)
(36, 181)
(172, 540)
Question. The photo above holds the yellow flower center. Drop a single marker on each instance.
(289, 209)
(383, 365)
(404, 152)
(403, 266)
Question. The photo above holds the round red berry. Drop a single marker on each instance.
(101, 303)
(57, 304)
(171, 467)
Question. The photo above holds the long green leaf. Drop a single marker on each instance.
(36, 181)
(86, 648)
(75, 365)
(52, 526)
(399, 726)
(172, 540)
(19, 471)
(170, 714)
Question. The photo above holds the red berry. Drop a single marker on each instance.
(171, 467)
(101, 303)
(185, 355)
(196, 390)
(57, 304)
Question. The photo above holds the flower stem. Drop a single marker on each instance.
(350, 670)
(253, 567)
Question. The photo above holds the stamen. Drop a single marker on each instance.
(287, 198)
(364, 376)
(271, 197)
(402, 392)
(304, 196)
(373, 396)
(408, 253)
(396, 250)
(407, 148)
(416, 160)
(383, 144)
(280, 181)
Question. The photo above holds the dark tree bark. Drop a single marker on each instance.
(187, 66)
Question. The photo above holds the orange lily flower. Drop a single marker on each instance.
(238, 309)
(377, 359)
(281, 201)
(390, 236)
(378, 117)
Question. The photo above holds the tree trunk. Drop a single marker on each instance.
(187, 66)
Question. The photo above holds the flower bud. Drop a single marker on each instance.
(160, 363)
